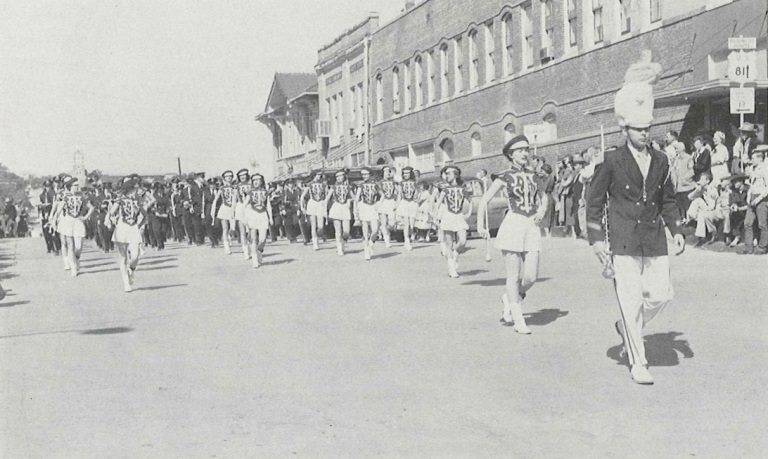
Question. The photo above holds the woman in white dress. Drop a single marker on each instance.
(316, 207)
(127, 215)
(341, 215)
(227, 194)
(407, 204)
(259, 217)
(719, 158)
(243, 187)
(453, 219)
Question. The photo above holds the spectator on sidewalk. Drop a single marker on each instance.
(757, 201)
(674, 145)
(738, 209)
(702, 160)
(681, 174)
(742, 148)
(719, 158)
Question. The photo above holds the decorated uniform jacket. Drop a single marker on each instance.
(521, 190)
(258, 199)
(341, 192)
(369, 192)
(454, 197)
(228, 195)
(408, 190)
(129, 208)
(317, 191)
(387, 189)
(74, 204)
(242, 190)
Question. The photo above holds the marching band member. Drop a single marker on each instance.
(258, 216)
(387, 203)
(341, 194)
(74, 209)
(453, 221)
(634, 180)
(518, 238)
(407, 204)
(227, 194)
(316, 206)
(365, 205)
(127, 216)
(243, 186)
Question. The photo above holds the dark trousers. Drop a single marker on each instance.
(104, 237)
(276, 227)
(212, 229)
(291, 224)
(195, 230)
(177, 225)
(737, 222)
(306, 230)
(759, 214)
(683, 203)
(157, 227)
(52, 241)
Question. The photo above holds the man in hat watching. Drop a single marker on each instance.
(47, 196)
(757, 201)
(743, 147)
(634, 180)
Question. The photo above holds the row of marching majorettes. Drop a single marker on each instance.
(244, 203)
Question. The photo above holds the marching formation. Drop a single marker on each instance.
(630, 207)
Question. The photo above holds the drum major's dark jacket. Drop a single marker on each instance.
(635, 225)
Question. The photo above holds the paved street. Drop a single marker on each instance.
(319, 355)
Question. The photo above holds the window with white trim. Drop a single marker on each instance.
(597, 20)
(547, 25)
(458, 66)
(407, 88)
(418, 75)
(474, 59)
(445, 89)
(432, 77)
(379, 99)
(508, 43)
(490, 53)
(353, 109)
(655, 6)
(528, 56)
(625, 21)
(573, 23)
(477, 144)
(395, 90)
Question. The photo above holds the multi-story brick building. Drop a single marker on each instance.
(452, 80)
(342, 82)
(291, 116)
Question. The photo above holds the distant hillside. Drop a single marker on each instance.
(13, 186)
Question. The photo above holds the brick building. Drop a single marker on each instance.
(291, 116)
(342, 81)
(452, 82)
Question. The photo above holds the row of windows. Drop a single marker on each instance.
(335, 110)
(439, 73)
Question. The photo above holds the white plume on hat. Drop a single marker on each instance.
(634, 101)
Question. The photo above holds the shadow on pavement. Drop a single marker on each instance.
(544, 316)
(473, 272)
(383, 255)
(140, 269)
(11, 304)
(499, 281)
(159, 287)
(661, 350)
(156, 261)
(106, 331)
(279, 262)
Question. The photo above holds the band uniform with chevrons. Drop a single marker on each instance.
(408, 190)
(317, 191)
(259, 198)
(369, 192)
(387, 189)
(454, 198)
(341, 192)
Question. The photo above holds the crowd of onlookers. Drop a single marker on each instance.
(722, 192)
(14, 220)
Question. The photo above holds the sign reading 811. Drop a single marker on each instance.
(741, 66)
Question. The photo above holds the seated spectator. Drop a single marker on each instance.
(738, 209)
(719, 158)
(681, 174)
(757, 202)
(705, 211)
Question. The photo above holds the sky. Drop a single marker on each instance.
(134, 84)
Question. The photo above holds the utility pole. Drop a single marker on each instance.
(178, 163)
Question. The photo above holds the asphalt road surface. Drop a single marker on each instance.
(319, 355)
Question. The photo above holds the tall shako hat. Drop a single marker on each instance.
(515, 143)
(634, 101)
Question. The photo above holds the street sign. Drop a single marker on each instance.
(742, 100)
(741, 67)
(742, 43)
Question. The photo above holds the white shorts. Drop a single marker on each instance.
(317, 208)
(367, 212)
(257, 220)
(453, 222)
(340, 212)
(387, 206)
(518, 233)
(408, 209)
(127, 234)
(226, 213)
(240, 212)
(71, 227)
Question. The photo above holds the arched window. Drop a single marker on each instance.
(490, 52)
(406, 88)
(458, 65)
(395, 90)
(379, 98)
(419, 76)
(508, 42)
(509, 132)
(446, 148)
(445, 88)
(431, 77)
(474, 59)
(550, 121)
(477, 144)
